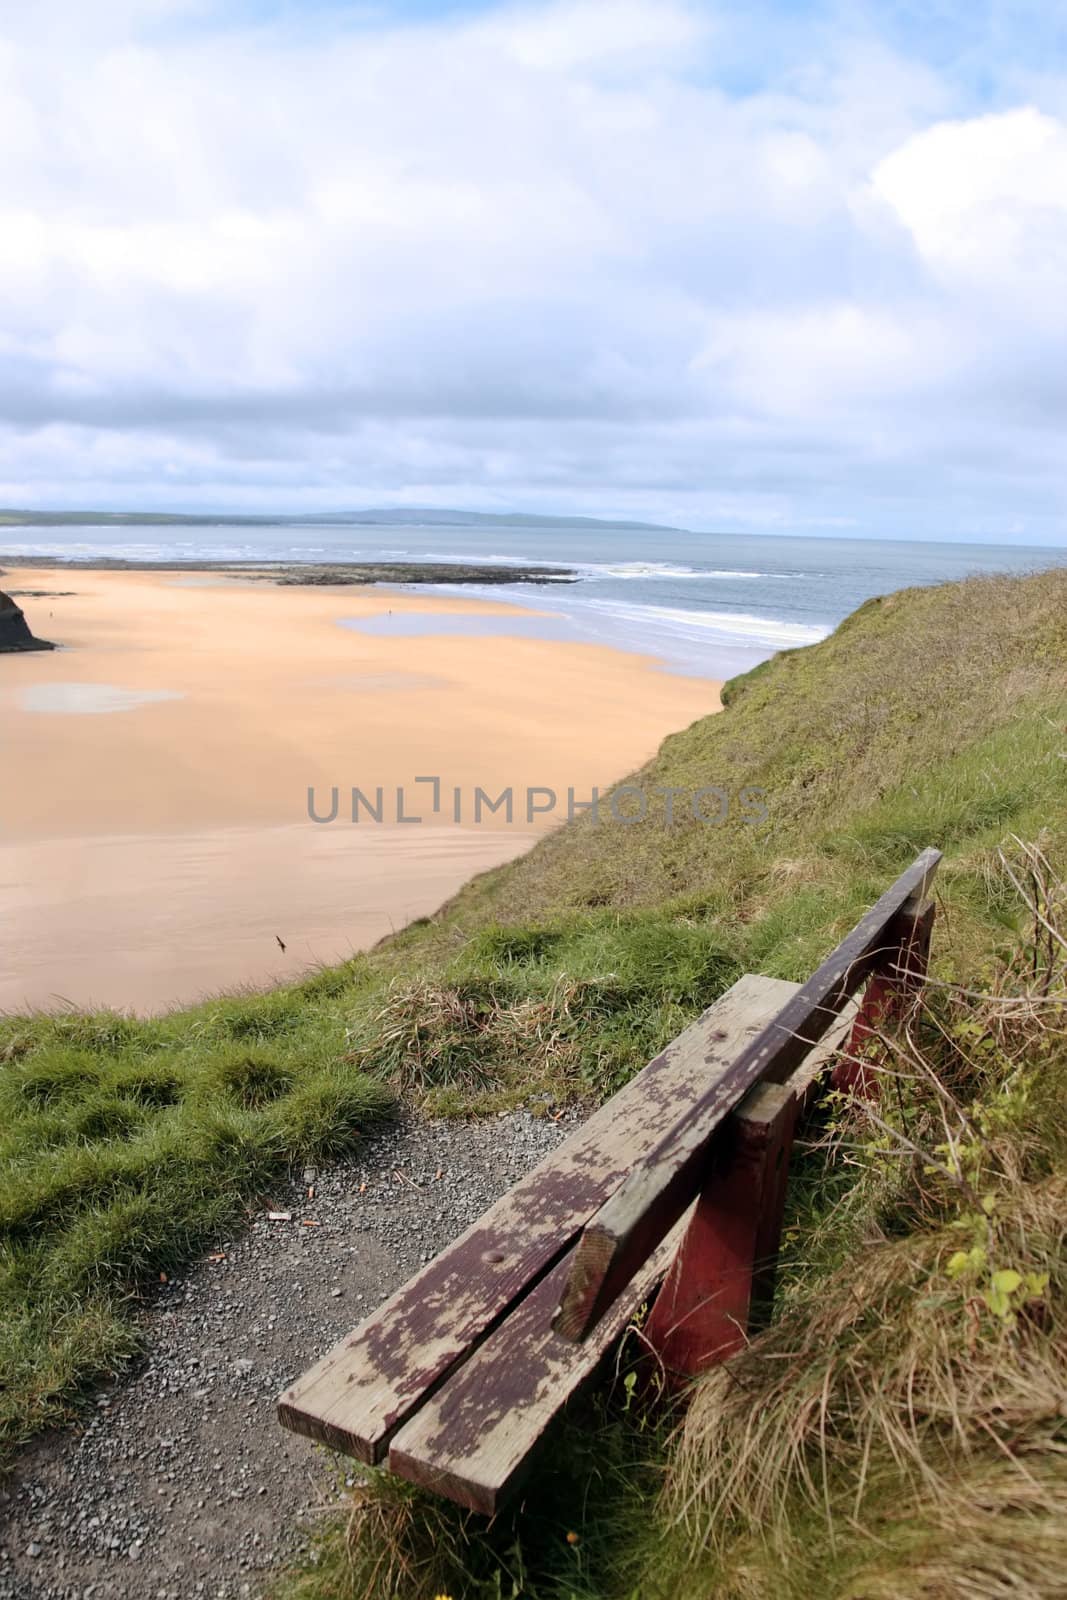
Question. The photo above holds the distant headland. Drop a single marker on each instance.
(406, 517)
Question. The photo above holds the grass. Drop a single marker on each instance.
(126, 1149)
(569, 1538)
(900, 1429)
(933, 716)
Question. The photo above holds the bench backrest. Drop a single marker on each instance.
(643, 1210)
(455, 1378)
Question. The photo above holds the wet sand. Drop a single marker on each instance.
(154, 772)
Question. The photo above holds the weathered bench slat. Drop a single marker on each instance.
(646, 1206)
(720, 1285)
(367, 1387)
(475, 1439)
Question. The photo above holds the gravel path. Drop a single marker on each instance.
(182, 1483)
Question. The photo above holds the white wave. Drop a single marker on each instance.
(730, 572)
(638, 569)
(83, 550)
(664, 569)
(739, 627)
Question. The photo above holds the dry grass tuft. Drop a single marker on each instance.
(897, 1361)
(479, 1035)
(391, 1547)
(393, 1541)
(911, 1408)
(1002, 1532)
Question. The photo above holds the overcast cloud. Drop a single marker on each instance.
(773, 270)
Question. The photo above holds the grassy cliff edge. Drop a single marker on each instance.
(931, 716)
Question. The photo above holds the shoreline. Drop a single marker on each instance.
(157, 840)
(295, 573)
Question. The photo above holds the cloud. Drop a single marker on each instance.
(985, 200)
(565, 35)
(583, 255)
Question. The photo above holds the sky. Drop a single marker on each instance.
(784, 266)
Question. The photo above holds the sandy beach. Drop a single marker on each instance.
(155, 771)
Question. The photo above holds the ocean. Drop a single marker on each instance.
(703, 604)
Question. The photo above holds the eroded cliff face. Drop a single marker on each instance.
(15, 630)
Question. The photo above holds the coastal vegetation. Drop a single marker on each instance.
(899, 1429)
(906, 1410)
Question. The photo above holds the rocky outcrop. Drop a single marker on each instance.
(15, 630)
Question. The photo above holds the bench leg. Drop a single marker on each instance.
(721, 1283)
(888, 994)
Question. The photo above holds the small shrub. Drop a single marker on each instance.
(255, 1017)
(252, 1077)
(233, 1152)
(103, 1032)
(327, 1114)
(514, 947)
(51, 1352)
(106, 1118)
(433, 1036)
(56, 1077)
(663, 959)
(37, 1201)
(153, 1087)
(134, 1237)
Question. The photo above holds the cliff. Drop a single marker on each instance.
(15, 630)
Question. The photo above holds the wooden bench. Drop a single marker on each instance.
(678, 1180)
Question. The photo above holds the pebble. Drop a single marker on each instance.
(179, 1482)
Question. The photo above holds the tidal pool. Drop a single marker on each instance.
(88, 699)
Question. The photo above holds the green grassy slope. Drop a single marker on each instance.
(931, 714)
(935, 716)
(900, 1430)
